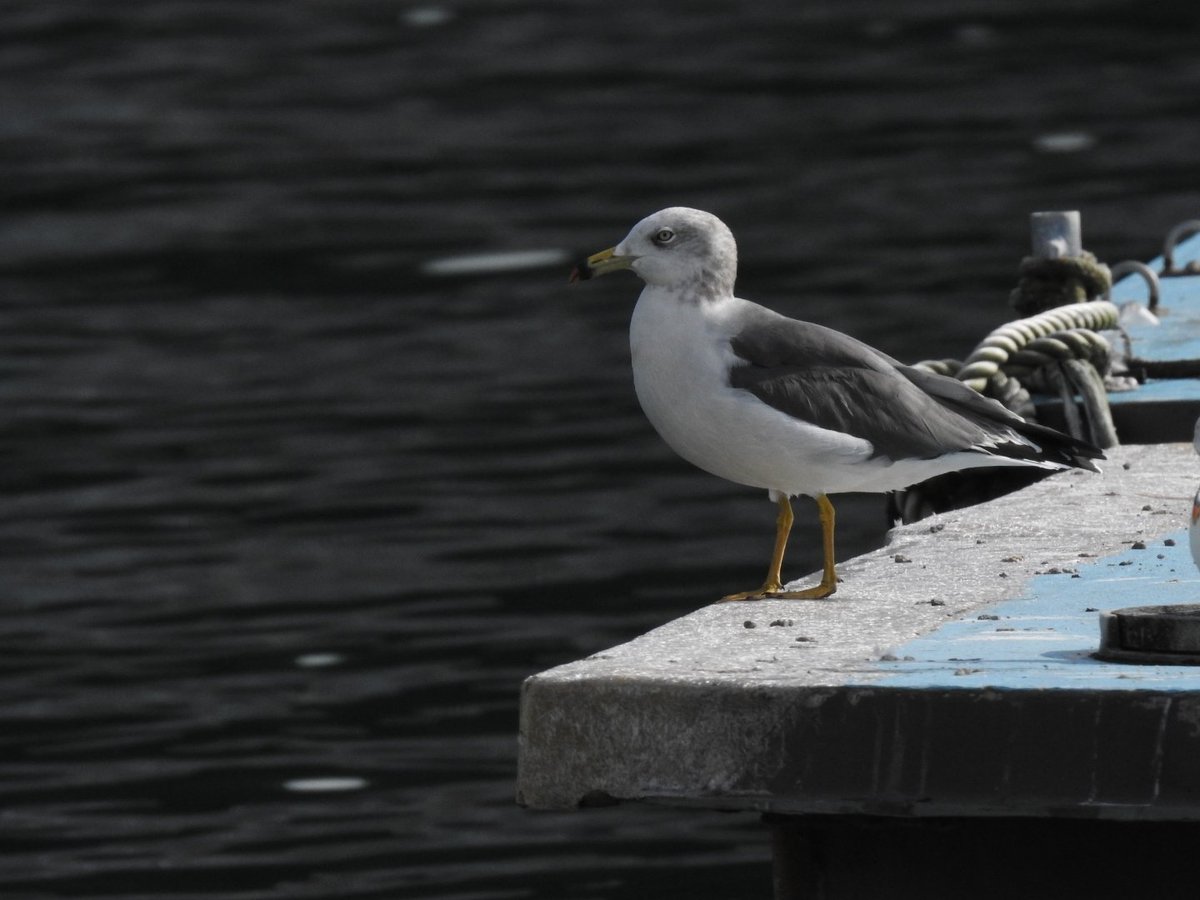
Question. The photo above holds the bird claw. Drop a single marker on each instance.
(776, 592)
(819, 592)
(744, 595)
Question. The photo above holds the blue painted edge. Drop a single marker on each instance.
(1043, 640)
(1185, 251)
(1177, 336)
(1156, 390)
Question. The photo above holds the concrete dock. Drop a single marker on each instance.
(930, 684)
(942, 715)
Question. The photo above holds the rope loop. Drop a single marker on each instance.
(1055, 350)
(1035, 358)
(1038, 352)
(1044, 283)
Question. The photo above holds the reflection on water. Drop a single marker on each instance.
(310, 455)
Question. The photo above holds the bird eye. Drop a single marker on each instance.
(664, 236)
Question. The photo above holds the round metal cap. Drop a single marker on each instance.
(1151, 634)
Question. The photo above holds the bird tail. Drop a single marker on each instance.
(1015, 437)
(1057, 447)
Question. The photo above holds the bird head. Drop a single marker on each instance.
(677, 248)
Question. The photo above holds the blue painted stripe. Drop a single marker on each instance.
(1043, 640)
(1160, 390)
(1178, 335)
(1185, 251)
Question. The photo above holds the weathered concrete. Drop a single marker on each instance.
(893, 697)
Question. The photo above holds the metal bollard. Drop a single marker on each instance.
(1056, 234)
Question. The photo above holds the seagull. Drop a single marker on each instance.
(799, 409)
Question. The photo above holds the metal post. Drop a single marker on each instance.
(1056, 234)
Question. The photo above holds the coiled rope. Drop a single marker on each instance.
(1056, 351)
(1045, 283)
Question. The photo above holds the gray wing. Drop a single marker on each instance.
(1012, 435)
(831, 380)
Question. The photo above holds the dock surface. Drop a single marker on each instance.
(950, 675)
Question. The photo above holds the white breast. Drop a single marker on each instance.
(681, 358)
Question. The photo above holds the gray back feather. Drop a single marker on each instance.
(833, 381)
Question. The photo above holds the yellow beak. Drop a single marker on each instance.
(601, 264)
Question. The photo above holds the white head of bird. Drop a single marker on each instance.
(682, 249)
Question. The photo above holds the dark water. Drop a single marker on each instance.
(281, 504)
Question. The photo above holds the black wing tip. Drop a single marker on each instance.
(1058, 446)
(1042, 444)
(1074, 454)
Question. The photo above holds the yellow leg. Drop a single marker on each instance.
(773, 584)
(829, 573)
(773, 587)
